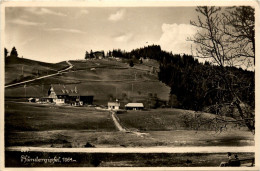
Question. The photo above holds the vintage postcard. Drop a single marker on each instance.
(148, 85)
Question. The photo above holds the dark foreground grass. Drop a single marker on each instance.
(79, 138)
(17, 159)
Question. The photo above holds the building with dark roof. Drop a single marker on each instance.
(99, 54)
(134, 106)
(69, 94)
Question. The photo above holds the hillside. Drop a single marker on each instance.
(20, 69)
(107, 79)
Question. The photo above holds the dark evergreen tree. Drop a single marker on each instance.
(14, 52)
(131, 63)
(6, 52)
(91, 54)
(87, 55)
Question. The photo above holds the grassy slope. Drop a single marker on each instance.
(108, 78)
(13, 69)
(167, 119)
(49, 125)
(36, 117)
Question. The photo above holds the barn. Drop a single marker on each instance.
(134, 106)
(69, 94)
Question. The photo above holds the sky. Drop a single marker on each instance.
(53, 34)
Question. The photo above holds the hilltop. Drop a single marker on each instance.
(20, 69)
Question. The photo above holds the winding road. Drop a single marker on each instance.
(45, 76)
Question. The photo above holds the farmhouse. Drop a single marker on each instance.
(134, 106)
(99, 54)
(113, 105)
(69, 94)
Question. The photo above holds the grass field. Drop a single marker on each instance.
(28, 124)
(38, 117)
(20, 69)
(164, 119)
(109, 78)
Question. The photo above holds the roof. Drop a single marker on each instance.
(134, 105)
(69, 89)
(113, 104)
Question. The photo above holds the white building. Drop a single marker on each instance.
(113, 105)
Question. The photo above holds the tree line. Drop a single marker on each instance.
(13, 52)
(150, 51)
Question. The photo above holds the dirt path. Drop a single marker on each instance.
(120, 128)
(46, 76)
(117, 124)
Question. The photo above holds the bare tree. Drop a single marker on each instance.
(240, 27)
(217, 41)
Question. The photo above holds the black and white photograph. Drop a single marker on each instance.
(112, 84)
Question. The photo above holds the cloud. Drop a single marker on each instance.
(25, 22)
(42, 11)
(174, 37)
(123, 37)
(65, 30)
(117, 16)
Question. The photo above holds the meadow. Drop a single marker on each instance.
(107, 79)
(28, 124)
